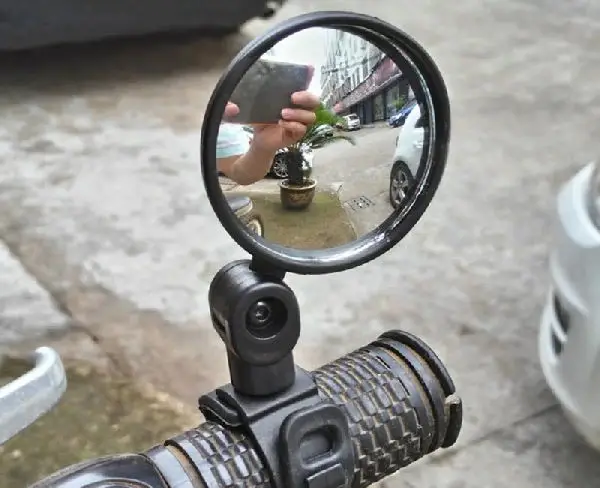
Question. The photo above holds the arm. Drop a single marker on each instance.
(239, 160)
(245, 162)
(247, 168)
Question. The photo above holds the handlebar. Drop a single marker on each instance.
(27, 398)
(398, 399)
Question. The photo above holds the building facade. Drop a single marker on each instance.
(356, 77)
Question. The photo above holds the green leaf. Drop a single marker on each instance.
(315, 139)
(326, 116)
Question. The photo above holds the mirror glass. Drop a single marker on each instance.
(322, 139)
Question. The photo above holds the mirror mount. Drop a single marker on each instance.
(271, 400)
(258, 318)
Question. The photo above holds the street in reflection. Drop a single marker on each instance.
(354, 164)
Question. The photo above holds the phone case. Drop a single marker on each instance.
(266, 89)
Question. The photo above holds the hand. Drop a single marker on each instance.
(231, 110)
(291, 127)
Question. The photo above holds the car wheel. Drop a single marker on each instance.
(401, 182)
(279, 167)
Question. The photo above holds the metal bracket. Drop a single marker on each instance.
(30, 396)
(303, 441)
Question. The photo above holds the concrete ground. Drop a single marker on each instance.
(362, 172)
(359, 171)
(101, 202)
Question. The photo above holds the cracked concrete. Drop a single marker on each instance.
(101, 199)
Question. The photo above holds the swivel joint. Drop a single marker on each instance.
(258, 318)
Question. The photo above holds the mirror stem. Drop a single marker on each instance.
(258, 318)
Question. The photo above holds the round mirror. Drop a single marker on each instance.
(325, 141)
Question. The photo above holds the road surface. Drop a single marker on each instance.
(363, 170)
(101, 202)
(359, 174)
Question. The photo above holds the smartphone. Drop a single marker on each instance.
(266, 89)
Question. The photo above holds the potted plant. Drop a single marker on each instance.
(298, 189)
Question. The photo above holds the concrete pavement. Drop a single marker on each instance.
(357, 173)
(101, 200)
(363, 170)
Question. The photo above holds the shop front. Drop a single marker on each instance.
(379, 106)
(376, 98)
(395, 99)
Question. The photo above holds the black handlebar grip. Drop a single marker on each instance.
(397, 395)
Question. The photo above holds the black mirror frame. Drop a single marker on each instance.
(401, 48)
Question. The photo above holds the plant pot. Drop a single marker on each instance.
(297, 197)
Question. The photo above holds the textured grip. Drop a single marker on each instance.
(390, 409)
(223, 457)
(386, 430)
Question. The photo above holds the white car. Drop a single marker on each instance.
(407, 157)
(351, 122)
(569, 339)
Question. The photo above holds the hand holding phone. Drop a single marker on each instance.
(266, 89)
(290, 128)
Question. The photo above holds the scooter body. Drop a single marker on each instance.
(243, 207)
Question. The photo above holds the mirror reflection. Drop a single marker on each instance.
(321, 141)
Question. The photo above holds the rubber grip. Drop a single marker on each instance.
(391, 395)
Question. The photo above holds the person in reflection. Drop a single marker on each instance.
(246, 158)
